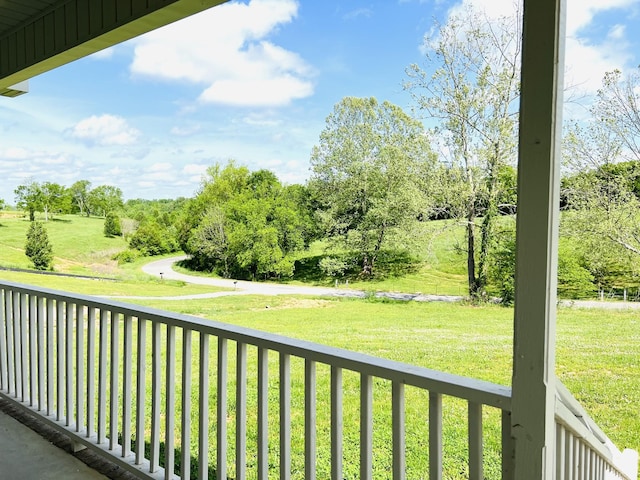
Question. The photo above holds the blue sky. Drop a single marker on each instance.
(251, 81)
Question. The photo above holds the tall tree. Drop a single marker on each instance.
(52, 198)
(368, 172)
(104, 199)
(29, 198)
(80, 194)
(602, 197)
(473, 92)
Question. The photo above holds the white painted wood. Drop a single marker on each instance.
(475, 440)
(80, 369)
(336, 423)
(263, 413)
(60, 351)
(221, 430)
(114, 363)
(203, 409)
(537, 238)
(170, 406)
(508, 448)
(156, 384)
(4, 382)
(241, 411)
(69, 360)
(285, 416)
(185, 424)
(127, 389)
(397, 430)
(33, 364)
(24, 366)
(310, 431)
(141, 382)
(366, 427)
(91, 369)
(102, 374)
(42, 346)
(435, 436)
(11, 369)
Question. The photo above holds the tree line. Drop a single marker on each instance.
(51, 198)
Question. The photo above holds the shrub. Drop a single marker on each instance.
(38, 248)
(112, 226)
(153, 239)
(126, 256)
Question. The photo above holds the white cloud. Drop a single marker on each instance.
(105, 130)
(160, 167)
(225, 50)
(194, 169)
(103, 54)
(185, 131)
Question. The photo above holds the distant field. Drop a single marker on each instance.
(80, 247)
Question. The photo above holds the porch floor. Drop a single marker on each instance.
(45, 454)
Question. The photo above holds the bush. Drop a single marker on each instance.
(112, 226)
(154, 239)
(38, 248)
(127, 256)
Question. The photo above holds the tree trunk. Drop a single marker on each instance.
(471, 248)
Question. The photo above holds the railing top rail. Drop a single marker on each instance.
(478, 391)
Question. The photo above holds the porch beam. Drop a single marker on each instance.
(73, 29)
(533, 423)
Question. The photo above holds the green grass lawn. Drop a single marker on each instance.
(79, 245)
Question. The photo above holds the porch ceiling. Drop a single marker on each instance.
(39, 35)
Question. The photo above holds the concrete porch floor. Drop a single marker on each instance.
(45, 454)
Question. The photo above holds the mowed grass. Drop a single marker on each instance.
(79, 245)
(597, 359)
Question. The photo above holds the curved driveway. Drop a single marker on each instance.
(163, 269)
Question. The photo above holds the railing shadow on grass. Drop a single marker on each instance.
(194, 468)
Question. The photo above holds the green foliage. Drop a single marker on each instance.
(29, 198)
(103, 199)
(112, 226)
(152, 238)
(370, 174)
(245, 224)
(502, 271)
(574, 278)
(38, 248)
(332, 266)
(470, 82)
(127, 256)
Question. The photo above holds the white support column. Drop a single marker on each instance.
(532, 420)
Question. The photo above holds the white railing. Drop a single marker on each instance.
(167, 395)
(583, 451)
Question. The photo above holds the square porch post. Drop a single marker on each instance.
(533, 406)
